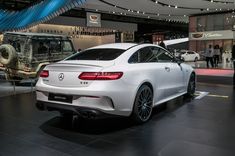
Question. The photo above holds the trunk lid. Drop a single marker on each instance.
(65, 73)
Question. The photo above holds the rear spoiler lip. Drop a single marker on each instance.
(76, 64)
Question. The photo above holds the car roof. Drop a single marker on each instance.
(123, 46)
(34, 34)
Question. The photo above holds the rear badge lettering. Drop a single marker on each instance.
(83, 83)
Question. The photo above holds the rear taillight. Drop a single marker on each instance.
(100, 75)
(44, 74)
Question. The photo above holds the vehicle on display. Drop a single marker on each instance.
(24, 55)
(121, 79)
(189, 55)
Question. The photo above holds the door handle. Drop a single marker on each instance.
(167, 69)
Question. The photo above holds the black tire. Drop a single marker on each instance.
(196, 59)
(143, 105)
(7, 54)
(191, 85)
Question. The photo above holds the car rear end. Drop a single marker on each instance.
(91, 88)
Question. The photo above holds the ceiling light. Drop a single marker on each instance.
(138, 12)
(148, 16)
(128, 10)
(212, 1)
(169, 6)
(156, 2)
(207, 9)
(176, 6)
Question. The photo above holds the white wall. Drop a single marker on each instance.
(79, 41)
(85, 41)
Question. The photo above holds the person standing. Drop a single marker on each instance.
(162, 44)
(209, 56)
(216, 55)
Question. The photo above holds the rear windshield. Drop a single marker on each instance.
(97, 54)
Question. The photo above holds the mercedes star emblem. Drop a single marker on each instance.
(61, 76)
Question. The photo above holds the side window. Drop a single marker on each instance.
(190, 52)
(40, 46)
(67, 46)
(55, 46)
(143, 55)
(164, 56)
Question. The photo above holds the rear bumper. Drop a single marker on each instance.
(81, 111)
(114, 98)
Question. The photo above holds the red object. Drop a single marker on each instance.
(215, 72)
(100, 75)
(44, 74)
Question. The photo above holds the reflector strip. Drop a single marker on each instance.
(200, 95)
(218, 96)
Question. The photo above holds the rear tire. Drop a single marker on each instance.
(143, 105)
(191, 85)
(7, 54)
(196, 59)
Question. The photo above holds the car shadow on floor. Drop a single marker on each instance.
(59, 127)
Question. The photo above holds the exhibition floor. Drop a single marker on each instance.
(203, 126)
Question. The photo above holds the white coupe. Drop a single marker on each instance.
(189, 56)
(121, 79)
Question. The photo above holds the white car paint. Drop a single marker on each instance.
(168, 80)
(190, 56)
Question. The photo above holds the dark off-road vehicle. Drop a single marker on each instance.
(24, 55)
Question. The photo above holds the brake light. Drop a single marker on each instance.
(44, 74)
(100, 75)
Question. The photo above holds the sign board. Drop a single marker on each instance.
(212, 35)
(93, 19)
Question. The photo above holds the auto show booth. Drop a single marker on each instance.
(88, 32)
(212, 29)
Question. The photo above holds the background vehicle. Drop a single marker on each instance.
(189, 55)
(115, 79)
(23, 55)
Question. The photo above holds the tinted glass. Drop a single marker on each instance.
(190, 52)
(67, 46)
(98, 54)
(143, 55)
(164, 56)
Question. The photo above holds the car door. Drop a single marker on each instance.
(147, 67)
(173, 75)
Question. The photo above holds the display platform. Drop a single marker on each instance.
(202, 126)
